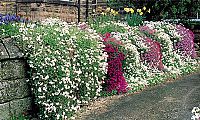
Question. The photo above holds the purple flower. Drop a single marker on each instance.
(186, 45)
(154, 55)
(5, 19)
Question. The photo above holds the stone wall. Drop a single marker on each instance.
(14, 90)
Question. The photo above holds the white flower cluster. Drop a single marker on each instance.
(167, 36)
(68, 65)
(135, 72)
(196, 113)
(140, 72)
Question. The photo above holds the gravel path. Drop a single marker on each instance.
(170, 101)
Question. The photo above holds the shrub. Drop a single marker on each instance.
(68, 65)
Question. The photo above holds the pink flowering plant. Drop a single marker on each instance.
(185, 47)
(115, 79)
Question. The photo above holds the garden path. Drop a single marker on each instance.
(170, 101)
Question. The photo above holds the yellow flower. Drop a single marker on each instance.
(141, 13)
(139, 10)
(149, 10)
(144, 8)
(126, 9)
(4, 4)
(107, 9)
(116, 13)
(131, 10)
(103, 13)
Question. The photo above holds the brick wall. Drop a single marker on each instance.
(40, 11)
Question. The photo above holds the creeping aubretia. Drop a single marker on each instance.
(116, 80)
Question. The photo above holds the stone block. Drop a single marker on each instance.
(3, 96)
(3, 52)
(12, 69)
(17, 89)
(13, 90)
(13, 50)
(4, 111)
(3, 84)
(20, 106)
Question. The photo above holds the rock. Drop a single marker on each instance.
(10, 90)
(3, 96)
(13, 50)
(3, 52)
(14, 91)
(20, 106)
(17, 89)
(12, 69)
(4, 111)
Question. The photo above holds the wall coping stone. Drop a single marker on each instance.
(8, 49)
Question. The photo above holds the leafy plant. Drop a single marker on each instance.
(167, 9)
(68, 66)
(134, 20)
(104, 24)
(19, 117)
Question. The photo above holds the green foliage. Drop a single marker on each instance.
(67, 66)
(162, 9)
(9, 29)
(106, 94)
(119, 3)
(134, 19)
(20, 117)
(167, 9)
(105, 23)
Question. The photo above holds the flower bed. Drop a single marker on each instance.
(72, 64)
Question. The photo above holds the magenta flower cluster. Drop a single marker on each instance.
(115, 79)
(154, 55)
(186, 45)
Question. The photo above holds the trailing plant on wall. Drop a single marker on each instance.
(68, 66)
(71, 63)
(115, 79)
(185, 47)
